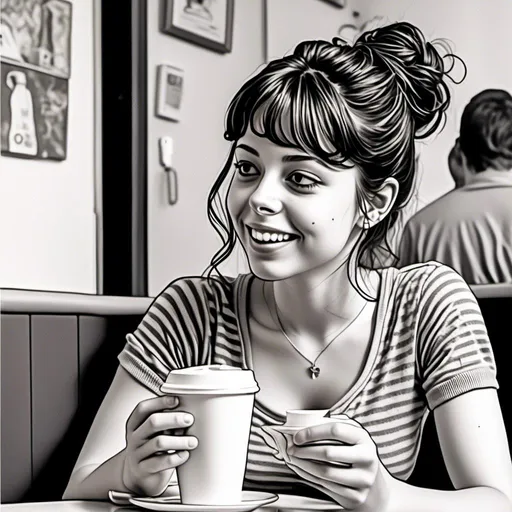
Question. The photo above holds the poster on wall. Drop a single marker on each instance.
(35, 47)
(34, 113)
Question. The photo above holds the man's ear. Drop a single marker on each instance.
(468, 169)
(378, 204)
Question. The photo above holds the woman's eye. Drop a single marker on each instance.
(246, 169)
(303, 181)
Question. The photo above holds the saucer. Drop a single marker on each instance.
(292, 501)
(123, 498)
(119, 497)
(250, 501)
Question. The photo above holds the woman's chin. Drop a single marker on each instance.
(271, 270)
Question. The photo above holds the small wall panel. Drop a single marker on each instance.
(16, 437)
(54, 383)
(92, 332)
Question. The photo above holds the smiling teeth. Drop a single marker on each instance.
(265, 236)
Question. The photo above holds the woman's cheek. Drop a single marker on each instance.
(233, 205)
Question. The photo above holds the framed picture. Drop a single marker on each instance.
(339, 3)
(35, 49)
(37, 35)
(169, 92)
(208, 23)
(34, 115)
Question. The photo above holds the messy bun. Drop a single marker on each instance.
(418, 68)
(363, 103)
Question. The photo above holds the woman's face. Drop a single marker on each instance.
(292, 213)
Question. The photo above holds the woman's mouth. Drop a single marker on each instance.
(270, 237)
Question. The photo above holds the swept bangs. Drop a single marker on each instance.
(298, 109)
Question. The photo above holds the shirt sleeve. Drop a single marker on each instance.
(172, 334)
(455, 354)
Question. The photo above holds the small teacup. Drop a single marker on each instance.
(280, 437)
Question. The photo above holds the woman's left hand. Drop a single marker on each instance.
(345, 465)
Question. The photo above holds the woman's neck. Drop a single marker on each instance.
(319, 306)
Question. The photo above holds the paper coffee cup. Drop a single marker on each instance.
(221, 399)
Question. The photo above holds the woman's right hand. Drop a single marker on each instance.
(151, 454)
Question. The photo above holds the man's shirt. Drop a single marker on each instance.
(469, 229)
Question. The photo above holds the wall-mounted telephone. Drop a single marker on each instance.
(166, 150)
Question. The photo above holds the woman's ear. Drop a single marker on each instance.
(379, 204)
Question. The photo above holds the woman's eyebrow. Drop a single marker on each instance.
(302, 158)
(286, 158)
(248, 149)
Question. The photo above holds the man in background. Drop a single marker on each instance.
(470, 227)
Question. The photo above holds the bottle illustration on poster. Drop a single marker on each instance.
(22, 131)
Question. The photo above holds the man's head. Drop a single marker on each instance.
(485, 138)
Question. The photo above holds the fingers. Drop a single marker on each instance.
(355, 478)
(347, 497)
(164, 443)
(164, 461)
(147, 407)
(362, 454)
(339, 457)
(161, 421)
(348, 432)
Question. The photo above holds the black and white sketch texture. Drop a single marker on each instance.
(337, 372)
(322, 160)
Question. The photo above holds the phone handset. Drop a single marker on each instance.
(166, 150)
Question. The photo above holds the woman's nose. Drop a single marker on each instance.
(264, 200)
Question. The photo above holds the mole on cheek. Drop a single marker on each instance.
(312, 223)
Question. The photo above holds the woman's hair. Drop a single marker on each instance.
(362, 104)
(486, 130)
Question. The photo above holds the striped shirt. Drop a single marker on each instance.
(429, 344)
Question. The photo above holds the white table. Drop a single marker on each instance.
(285, 503)
(64, 506)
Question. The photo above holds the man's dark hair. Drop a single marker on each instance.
(486, 131)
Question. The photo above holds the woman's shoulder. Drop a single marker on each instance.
(429, 281)
(201, 288)
(426, 276)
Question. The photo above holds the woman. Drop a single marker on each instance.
(322, 161)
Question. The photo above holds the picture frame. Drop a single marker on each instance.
(339, 3)
(169, 92)
(45, 44)
(207, 23)
(33, 113)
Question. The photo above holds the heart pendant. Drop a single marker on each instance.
(315, 371)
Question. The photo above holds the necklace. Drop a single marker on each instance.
(313, 369)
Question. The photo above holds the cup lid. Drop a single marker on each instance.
(213, 379)
(305, 417)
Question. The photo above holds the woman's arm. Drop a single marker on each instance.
(130, 443)
(100, 464)
(476, 453)
(474, 445)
